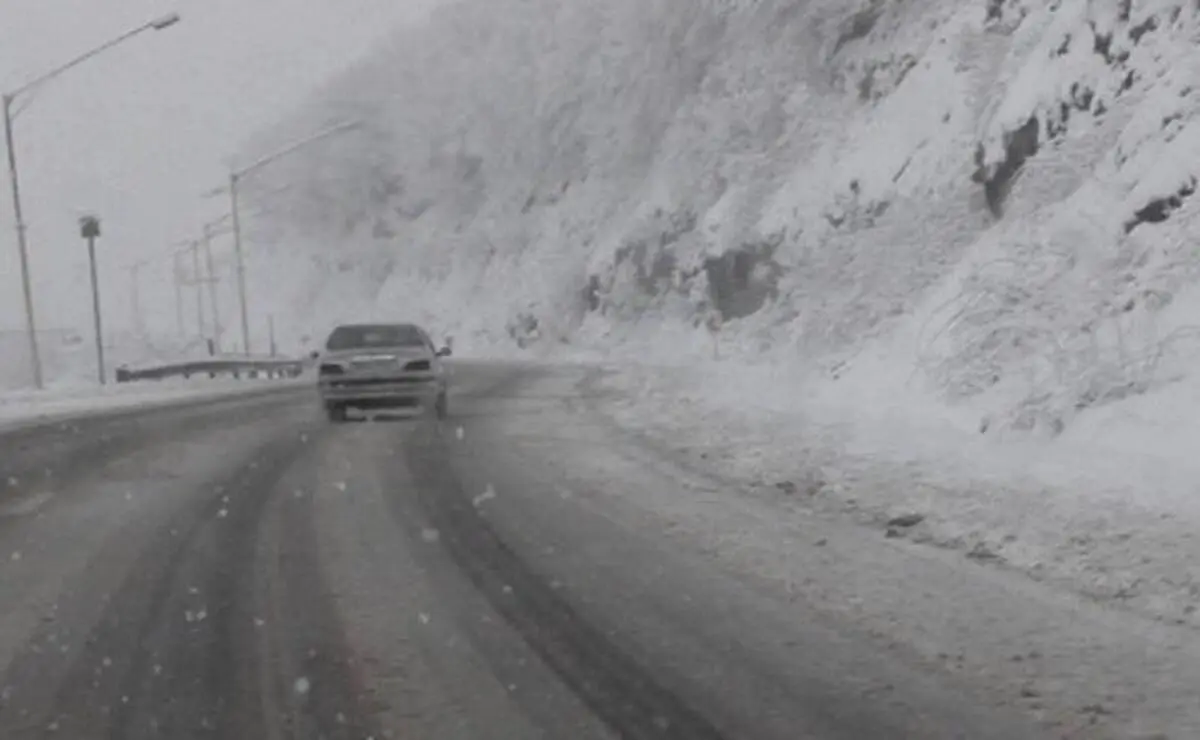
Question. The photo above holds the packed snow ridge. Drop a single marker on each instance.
(980, 206)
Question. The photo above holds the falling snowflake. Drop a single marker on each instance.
(15, 556)
(301, 686)
(340, 486)
(488, 494)
(459, 433)
(13, 482)
(222, 513)
(430, 535)
(423, 617)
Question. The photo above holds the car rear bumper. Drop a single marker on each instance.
(379, 391)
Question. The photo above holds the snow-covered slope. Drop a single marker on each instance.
(977, 207)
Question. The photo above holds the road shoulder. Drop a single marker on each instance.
(1067, 660)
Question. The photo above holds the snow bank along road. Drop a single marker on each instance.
(241, 569)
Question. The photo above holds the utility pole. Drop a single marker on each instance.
(89, 228)
(35, 357)
(212, 287)
(271, 331)
(178, 274)
(198, 282)
(241, 262)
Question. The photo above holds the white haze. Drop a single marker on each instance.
(138, 133)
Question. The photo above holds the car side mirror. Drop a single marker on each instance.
(314, 354)
(444, 352)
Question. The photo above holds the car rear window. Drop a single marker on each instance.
(355, 337)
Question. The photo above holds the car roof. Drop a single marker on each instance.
(344, 335)
(395, 325)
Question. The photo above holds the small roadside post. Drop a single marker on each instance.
(89, 229)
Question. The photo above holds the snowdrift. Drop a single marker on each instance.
(981, 207)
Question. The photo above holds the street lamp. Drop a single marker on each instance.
(235, 177)
(190, 247)
(211, 230)
(9, 113)
(166, 21)
(177, 274)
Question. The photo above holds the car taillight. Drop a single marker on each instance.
(332, 370)
(418, 365)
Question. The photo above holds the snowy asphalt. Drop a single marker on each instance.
(242, 569)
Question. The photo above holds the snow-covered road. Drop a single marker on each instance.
(535, 567)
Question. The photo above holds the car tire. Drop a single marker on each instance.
(441, 407)
(335, 412)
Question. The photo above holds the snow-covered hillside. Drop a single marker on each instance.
(981, 207)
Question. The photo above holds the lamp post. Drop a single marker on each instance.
(198, 281)
(210, 231)
(235, 178)
(7, 102)
(189, 247)
(177, 274)
(212, 289)
(89, 228)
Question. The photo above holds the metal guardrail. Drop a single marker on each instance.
(236, 368)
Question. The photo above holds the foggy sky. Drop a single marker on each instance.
(138, 133)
